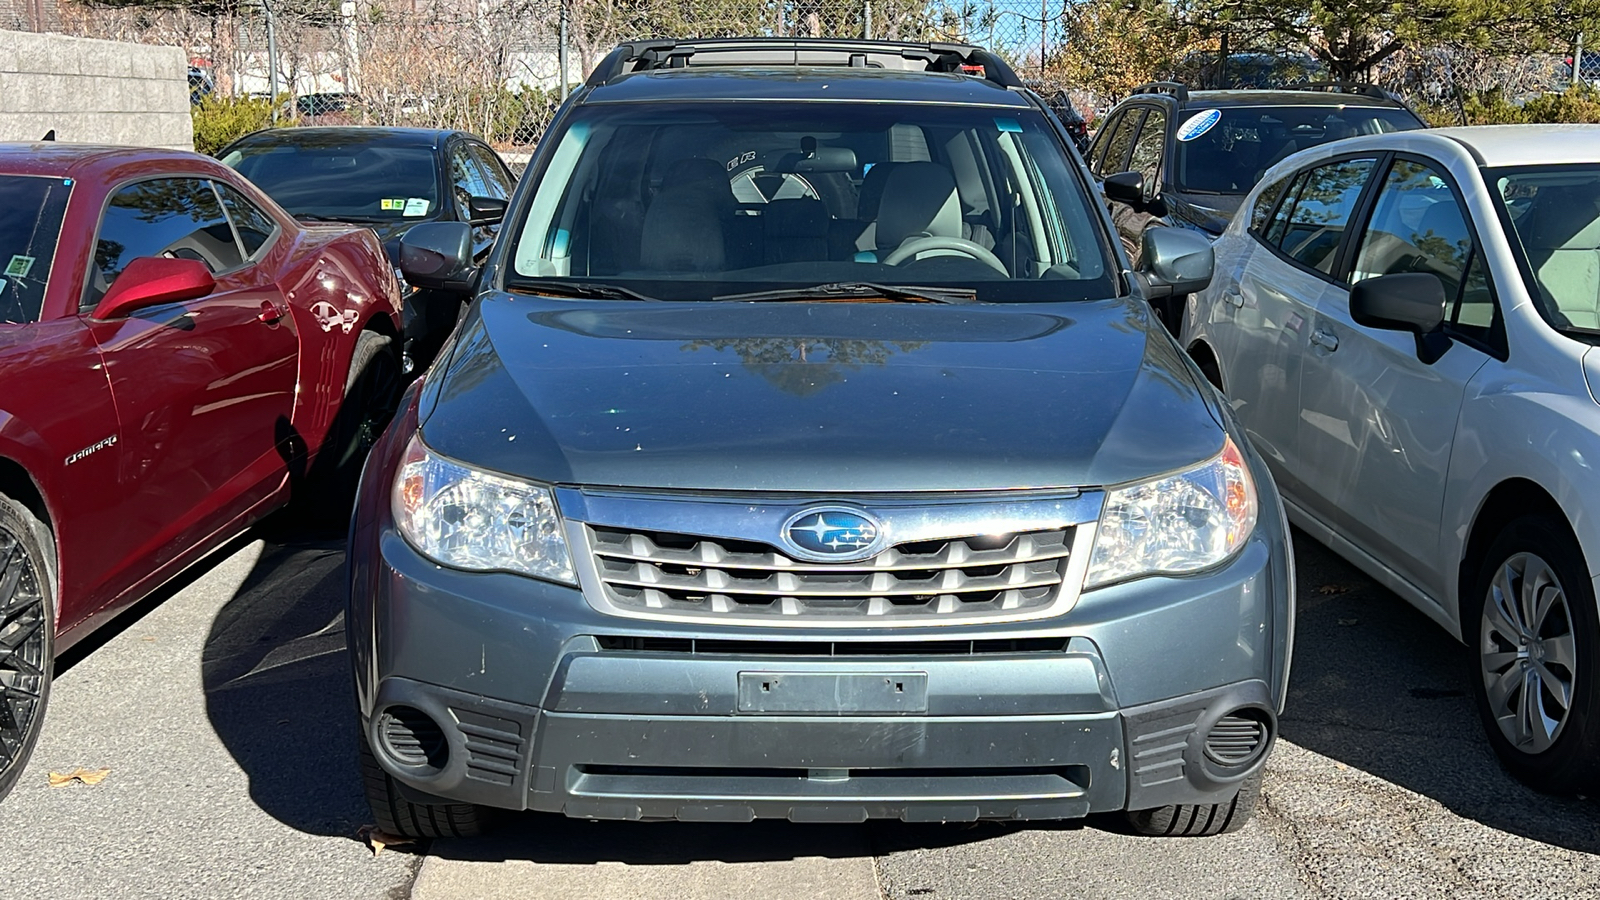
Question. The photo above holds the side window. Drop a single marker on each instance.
(179, 218)
(1280, 220)
(1148, 149)
(1418, 226)
(1120, 143)
(1102, 140)
(1265, 202)
(495, 177)
(254, 226)
(466, 179)
(1322, 207)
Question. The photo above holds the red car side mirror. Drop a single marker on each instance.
(153, 280)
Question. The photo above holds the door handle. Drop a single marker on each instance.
(270, 312)
(1325, 339)
(1233, 299)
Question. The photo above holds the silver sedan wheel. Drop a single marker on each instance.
(1528, 653)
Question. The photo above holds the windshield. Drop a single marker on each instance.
(1554, 213)
(1230, 155)
(696, 201)
(28, 233)
(348, 181)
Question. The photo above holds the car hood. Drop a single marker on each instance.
(829, 397)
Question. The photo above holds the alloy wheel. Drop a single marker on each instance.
(1527, 653)
(22, 649)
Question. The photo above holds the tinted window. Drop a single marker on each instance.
(28, 232)
(710, 199)
(466, 180)
(1314, 223)
(1265, 202)
(495, 178)
(255, 227)
(179, 218)
(1147, 151)
(1232, 155)
(1120, 142)
(343, 180)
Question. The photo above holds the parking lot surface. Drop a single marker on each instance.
(224, 712)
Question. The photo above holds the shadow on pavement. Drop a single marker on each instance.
(278, 690)
(1380, 687)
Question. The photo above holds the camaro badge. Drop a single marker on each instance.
(833, 534)
(95, 447)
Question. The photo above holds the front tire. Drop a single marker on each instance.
(371, 391)
(396, 815)
(1200, 819)
(27, 636)
(1531, 634)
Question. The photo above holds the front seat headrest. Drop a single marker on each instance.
(918, 199)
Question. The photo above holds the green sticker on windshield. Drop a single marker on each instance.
(20, 266)
(1008, 125)
(392, 205)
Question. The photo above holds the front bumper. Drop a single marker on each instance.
(536, 700)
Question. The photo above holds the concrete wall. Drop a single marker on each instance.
(90, 91)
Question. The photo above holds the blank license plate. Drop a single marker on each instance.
(833, 694)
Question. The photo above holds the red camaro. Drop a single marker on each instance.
(176, 356)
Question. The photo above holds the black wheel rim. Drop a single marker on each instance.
(22, 648)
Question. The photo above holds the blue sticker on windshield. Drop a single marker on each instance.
(1199, 124)
(1008, 125)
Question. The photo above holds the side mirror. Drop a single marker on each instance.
(152, 281)
(486, 210)
(1125, 187)
(438, 255)
(1405, 301)
(1129, 188)
(1176, 261)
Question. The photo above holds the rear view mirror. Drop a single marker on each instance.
(486, 210)
(1405, 301)
(438, 255)
(1175, 261)
(154, 280)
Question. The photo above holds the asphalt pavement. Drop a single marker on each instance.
(223, 710)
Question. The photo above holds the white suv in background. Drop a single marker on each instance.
(1406, 326)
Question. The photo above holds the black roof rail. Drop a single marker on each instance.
(643, 56)
(1343, 87)
(1177, 89)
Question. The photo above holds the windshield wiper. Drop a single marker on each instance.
(842, 290)
(362, 220)
(553, 288)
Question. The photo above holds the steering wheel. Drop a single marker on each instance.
(909, 249)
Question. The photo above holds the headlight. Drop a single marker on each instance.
(1176, 524)
(467, 519)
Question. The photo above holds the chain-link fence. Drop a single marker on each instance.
(496, 67)
(500, 67)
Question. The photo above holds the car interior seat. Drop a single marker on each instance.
(795, 230)
(1562, 237)
(687, 224)
(919, 200)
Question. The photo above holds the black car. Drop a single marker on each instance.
(1061, 104)
(388, 179)
(1171, 156)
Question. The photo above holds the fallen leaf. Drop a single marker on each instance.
(1333, 589)
(1349, 621)
(378, 839)
(87, 776)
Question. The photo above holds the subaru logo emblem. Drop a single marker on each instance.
(833, 534)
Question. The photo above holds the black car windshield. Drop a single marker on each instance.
(1226, 150)
(1554, 214)
(695, 201)
(344, 180)
(34, 206)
